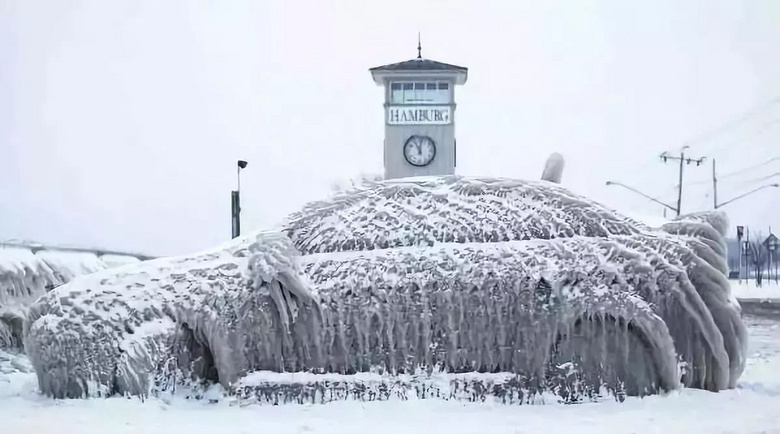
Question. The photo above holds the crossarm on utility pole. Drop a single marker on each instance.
(683, 159)
(643, 195)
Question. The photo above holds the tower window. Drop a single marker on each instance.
(428, 92)
(396, 92)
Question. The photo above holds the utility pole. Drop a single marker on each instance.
(740, 235)
(683, 159)
(714, 186)
(717, 205)
(770, 246)
(747, 256)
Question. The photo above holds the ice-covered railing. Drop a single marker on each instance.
(449, 275)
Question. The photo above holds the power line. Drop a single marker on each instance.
(736, 172)
(763, 178)
(761, 130)
(735, 122)
(715, 202)
(749, 168)
(730, 124)
(665, 157)
(642, 168)
(764, 128)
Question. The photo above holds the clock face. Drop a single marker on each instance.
(419, 150)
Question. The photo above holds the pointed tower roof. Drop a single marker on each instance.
(421, 67)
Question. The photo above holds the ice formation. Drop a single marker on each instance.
(519, 283)
(553, 168)
(25, 276)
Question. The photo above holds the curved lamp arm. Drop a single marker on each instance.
(746, 194)
(643, 195)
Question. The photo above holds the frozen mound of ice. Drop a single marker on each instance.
(104, 333)
(25, 276)
(457, 276)
(553, 168)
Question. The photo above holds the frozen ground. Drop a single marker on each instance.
(747, 290)
(754, 407)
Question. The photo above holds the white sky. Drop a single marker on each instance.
(120, 121)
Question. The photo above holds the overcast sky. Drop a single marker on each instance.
(120, 121)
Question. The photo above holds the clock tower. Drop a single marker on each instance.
(419, 116)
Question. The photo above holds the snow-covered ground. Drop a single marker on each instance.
(747, 290)
(754, 407)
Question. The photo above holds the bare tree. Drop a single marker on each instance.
(758, 257)
(775, 263)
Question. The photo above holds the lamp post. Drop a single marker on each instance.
(619, 184)
(235, 200)
(719, 205)
(746, 249)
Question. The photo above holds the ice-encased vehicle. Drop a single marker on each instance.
(447, 287)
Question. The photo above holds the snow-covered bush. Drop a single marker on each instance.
(452, 275)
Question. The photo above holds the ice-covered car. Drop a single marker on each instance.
(502, 287)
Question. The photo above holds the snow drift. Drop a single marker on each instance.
(451, 275)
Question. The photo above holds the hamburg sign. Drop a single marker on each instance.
(419, 115)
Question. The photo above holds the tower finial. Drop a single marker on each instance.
(419, 47)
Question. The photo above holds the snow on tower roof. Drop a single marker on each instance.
(419, 67)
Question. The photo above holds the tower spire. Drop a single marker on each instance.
(419, 47)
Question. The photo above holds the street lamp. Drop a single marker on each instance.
(241, 165)
(719, 205)
(235, 200)
(620, 184)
